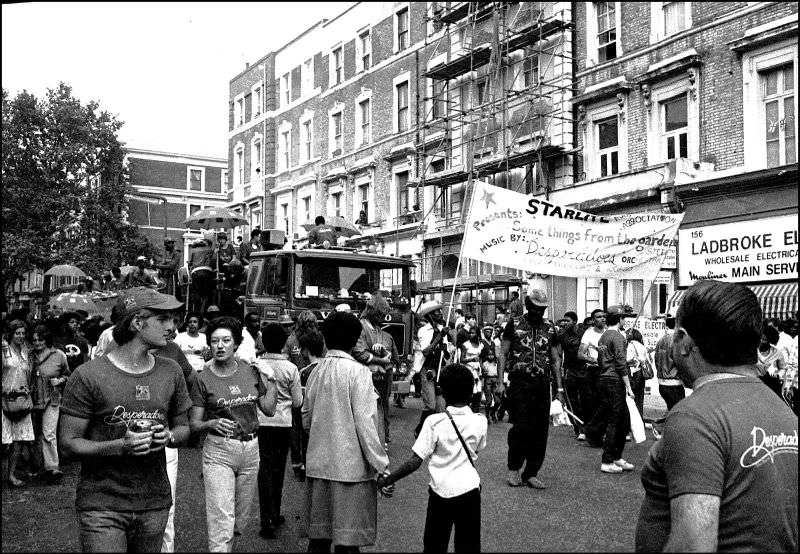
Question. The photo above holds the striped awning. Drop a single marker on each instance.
(777, 300)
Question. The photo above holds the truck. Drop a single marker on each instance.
(287, 282)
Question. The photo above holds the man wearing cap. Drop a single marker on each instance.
(528, 350)
(436, 349)
(118, 413)
(168, 265)
(614, 384)
(138, 277)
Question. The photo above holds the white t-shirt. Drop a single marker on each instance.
(451, 472)
(592, 337)
(192, 348)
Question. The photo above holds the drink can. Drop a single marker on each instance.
(141, 425)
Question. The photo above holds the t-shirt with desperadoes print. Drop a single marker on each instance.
(735, 439)
(110, 399)
(233, 397)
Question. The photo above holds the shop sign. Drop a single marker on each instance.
(651, 330)
(741, 252)
(529, 233)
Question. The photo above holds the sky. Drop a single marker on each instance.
(162, 68)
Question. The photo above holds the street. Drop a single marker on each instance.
(582, 509)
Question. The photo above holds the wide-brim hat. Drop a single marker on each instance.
(537, 297)
(429, 307)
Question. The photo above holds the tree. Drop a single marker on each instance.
(64, 185)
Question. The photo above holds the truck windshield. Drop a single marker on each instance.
(331, 282)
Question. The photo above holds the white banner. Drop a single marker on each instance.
(526, 232)
(745, 251)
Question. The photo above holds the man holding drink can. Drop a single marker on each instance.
(119, 411)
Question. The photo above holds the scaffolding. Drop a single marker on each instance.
(496, 106)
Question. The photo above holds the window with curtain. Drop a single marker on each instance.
(674, 17)
(402, 29)
(779, 119)
(402, 107)
(633, 292)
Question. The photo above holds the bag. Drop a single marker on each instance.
(557, 413)
(646, 368)
(17, 404)
(637, 425)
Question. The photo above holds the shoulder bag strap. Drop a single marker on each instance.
(464, 444)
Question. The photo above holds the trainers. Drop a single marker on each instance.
(514, 478)
(535, 483)
(626, 466)
(581, 437)
(610, 468)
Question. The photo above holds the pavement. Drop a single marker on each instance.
(582, 510)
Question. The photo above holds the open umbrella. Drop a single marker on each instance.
(65, 270)
(71, 301)
(213, 218)
(340, 224)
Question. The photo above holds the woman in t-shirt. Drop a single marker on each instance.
(224, 405)
(471, 354)
(17, 431)
(193, 343)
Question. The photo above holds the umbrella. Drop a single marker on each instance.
(65, 270)
(71, 301)
(340, 224)
(212, 218)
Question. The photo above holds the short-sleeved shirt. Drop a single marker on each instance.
(192, 348)
(233, 397)
(287, 379)
(569, 342)
(735, 439)
(452, 474)
(591, 337)
(111, 399)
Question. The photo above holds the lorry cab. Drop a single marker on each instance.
(317, 279)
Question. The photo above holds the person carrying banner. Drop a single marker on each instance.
(436, 348)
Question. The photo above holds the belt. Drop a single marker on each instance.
(243, 438)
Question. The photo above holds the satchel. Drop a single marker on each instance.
(17, 404)
(646, 367)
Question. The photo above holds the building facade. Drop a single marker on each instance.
(168, 187)
(690, 107)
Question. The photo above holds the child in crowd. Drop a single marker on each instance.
(489, 374)
(451, 440)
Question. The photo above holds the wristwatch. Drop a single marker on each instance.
(559, 390)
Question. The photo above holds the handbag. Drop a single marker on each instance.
(17, 403)
(647, 368)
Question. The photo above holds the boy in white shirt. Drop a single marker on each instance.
(454, 497)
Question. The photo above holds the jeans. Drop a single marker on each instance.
(273, 447)
(230, 473)
(581, 399)
(384, 388)
(614, 410)
(109, 531)
(528, 403)
(49, 437)
(671, 394)
(168, 545)
(462, 512)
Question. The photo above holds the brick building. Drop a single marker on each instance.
(689, 107)
(168, 187)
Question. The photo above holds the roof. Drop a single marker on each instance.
(346, 255)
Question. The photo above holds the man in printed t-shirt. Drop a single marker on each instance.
(119, 411)
(724, 474)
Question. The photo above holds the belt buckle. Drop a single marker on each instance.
(248, 437)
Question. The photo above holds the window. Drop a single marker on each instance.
(336, 66)
(608, 146)
(238, 111)
(364, 50)
(286, 92)
(402, 29)
(257, 102)
(777, 89)
(530, 71)
(674, 14)
(363, 203)
(195, 179)
(406, 203)
(676, 127)
(226, 182)
(286, 142)
(285, 215)
(307, 208)
(437, 165)
(336, 199)
(365, 118)
(307, 77)
(307, 139)
(606, 31)
(194, 208)
(238, 163)
(439, 100)
(480, 93)
(336, 122)
(256, 158)
(401, 92)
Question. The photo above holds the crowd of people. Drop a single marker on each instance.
(123, 397)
